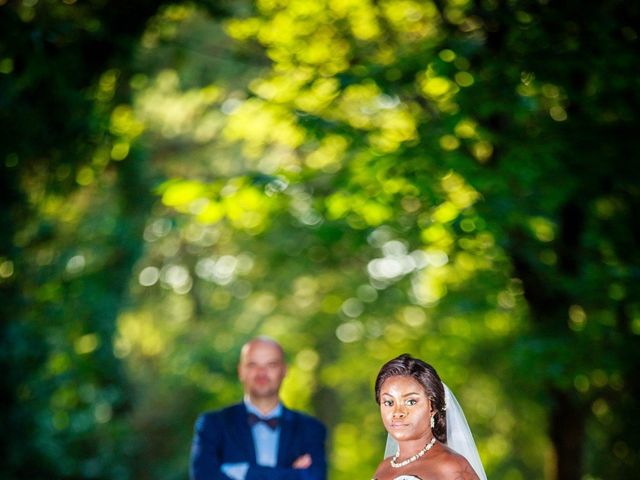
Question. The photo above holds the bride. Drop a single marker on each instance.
(429, 438)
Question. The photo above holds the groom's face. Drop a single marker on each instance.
(261, 369)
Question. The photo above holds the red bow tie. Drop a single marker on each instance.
(272, 423)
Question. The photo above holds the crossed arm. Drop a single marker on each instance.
(208, 454)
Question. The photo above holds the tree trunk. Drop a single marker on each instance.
(567, 435)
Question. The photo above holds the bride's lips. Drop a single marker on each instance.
(399, 425)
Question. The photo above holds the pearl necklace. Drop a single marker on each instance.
(426, 448)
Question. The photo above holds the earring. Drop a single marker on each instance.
(433, 422)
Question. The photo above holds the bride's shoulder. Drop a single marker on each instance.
(453, 465)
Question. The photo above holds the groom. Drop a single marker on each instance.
(259, 439)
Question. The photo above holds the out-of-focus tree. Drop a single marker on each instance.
(72, 213)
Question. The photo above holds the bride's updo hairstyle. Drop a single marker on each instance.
(407, 366)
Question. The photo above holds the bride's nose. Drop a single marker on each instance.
(399, 411)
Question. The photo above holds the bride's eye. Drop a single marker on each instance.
(412, 401)
(387, 403)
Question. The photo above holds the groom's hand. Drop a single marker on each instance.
(303, 461)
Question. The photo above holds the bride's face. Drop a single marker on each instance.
(405, 409)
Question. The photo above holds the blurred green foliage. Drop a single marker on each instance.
(455, 179)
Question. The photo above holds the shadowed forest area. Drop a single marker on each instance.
(456, 179)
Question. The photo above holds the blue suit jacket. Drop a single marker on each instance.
(224, 436)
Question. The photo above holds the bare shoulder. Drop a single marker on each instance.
(453, 466)
(383, 471)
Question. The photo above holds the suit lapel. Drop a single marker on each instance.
(241, 433)
(287, 430)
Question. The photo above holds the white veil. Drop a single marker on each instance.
(459, 437)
